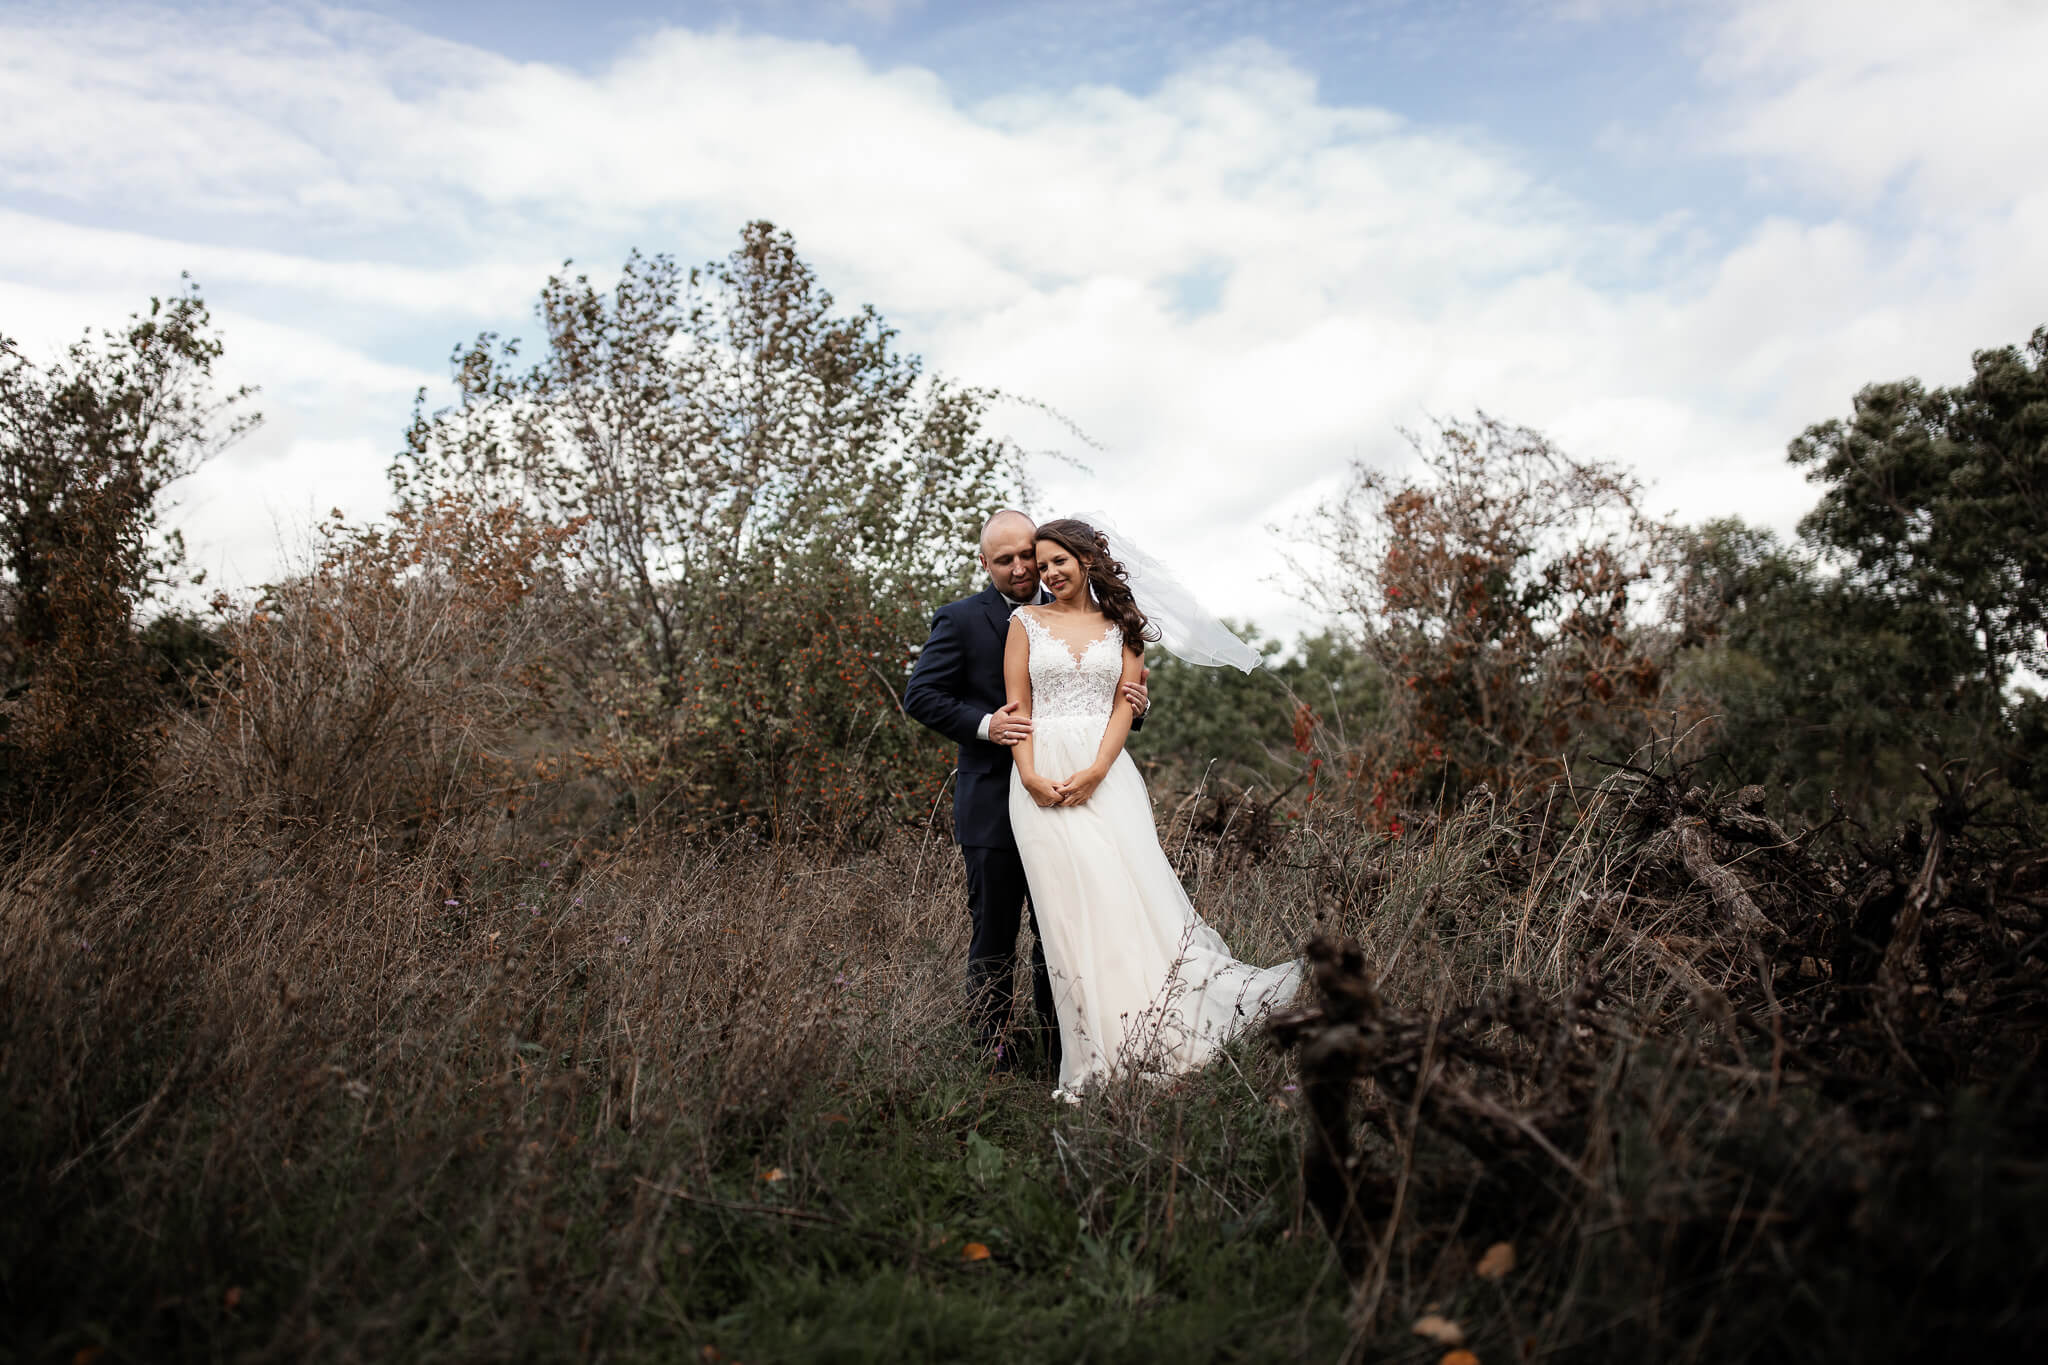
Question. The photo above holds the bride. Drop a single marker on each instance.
(1141, 983)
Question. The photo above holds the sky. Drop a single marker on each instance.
(1240, 243)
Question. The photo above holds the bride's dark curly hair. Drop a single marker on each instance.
(1106, 577)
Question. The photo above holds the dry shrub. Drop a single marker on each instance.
(1503, 599)
(393, 682)
(85, 721)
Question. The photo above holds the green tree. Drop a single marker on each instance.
(88, 444)
(1940, 497)
(1818, 683)
(772, 496)
(1890, 637)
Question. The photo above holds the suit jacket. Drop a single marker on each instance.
(957, 681)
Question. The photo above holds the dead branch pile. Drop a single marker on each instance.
(1913, 965)
(1518, 1110)
(1885, 980)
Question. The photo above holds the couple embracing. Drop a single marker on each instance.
(1040, 678)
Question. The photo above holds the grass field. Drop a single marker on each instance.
(276, 1093)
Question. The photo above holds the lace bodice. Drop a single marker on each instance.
(1066, 687)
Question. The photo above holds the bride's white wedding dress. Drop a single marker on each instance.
(1142, 984)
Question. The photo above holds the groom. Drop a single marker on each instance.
(957, 690)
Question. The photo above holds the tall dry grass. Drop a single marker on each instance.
(280, 1092)
(394, 681)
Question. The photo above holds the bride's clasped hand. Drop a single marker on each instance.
(1072, 791)
(1077, 789)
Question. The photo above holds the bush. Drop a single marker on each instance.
(393, 683)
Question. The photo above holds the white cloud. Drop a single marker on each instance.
(351, 179)
(64, 253)
(1940, 99)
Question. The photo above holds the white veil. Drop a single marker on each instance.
(1187, 628)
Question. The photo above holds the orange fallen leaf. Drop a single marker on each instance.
(1498, 1261)
(771, 1175)
(1439, 1329)
(1458, 1358)
(974, 1251)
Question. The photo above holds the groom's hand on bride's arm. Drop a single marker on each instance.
(1007, 727)
(1137, 695)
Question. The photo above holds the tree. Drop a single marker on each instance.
(1503, 596)
(1940, 496)
(773, 496)
(1891, 635)
(87, 447)
(1817, 683)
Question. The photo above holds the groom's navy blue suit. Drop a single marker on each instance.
(958, 683)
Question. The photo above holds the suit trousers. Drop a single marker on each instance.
(999, 899)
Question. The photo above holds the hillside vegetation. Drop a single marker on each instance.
(529, 929)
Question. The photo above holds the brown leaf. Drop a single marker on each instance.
(1458, 1358)
(974, 1251)
(1498, 1261)
(771, 1175)
(1439, 1329)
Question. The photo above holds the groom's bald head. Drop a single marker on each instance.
(1007, 523)
(1007, 541)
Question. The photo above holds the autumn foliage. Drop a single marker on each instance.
(1507, 594)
